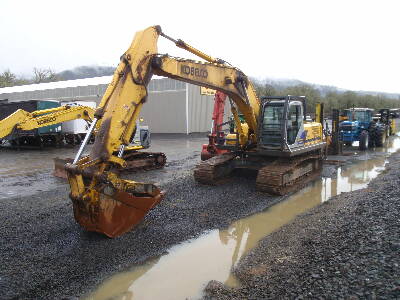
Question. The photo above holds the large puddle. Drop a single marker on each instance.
(188, 267)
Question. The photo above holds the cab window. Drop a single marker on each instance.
(294, 123)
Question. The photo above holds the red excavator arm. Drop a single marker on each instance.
(209, 150)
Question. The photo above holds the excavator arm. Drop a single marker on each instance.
(23, 120)
(102, 201)
(224, 78)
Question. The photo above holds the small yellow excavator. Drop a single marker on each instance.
(135, 160)
(275, 138)
(23, 120)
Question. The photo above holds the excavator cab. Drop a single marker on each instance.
(282, 123)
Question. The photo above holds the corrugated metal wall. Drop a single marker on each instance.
(200, 110)
(165, 112)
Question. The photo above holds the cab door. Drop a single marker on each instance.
(294, 121)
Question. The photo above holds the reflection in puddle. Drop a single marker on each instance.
(187, 268)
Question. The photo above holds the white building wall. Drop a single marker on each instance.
(165, 112)
(200, 110)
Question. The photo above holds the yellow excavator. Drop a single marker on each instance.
(275, 139)
(22, 120)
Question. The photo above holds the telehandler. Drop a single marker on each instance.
(275, 139)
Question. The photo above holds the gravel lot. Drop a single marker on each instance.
(46, 255)
(347, 248)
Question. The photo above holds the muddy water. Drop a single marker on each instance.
(187, 268)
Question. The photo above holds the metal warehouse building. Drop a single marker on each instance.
(172, 106)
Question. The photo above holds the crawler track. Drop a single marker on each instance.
(215, 169)
(287, 175)
(137, 160)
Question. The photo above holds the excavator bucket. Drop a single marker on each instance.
(111, 211)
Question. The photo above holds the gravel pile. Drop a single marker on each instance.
(346, 248)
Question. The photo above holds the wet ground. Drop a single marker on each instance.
(29, 171)
(217, 252)
(346, 248)
(197, 234)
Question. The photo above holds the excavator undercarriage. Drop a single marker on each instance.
(278, 176)
(135, 161)
(287, 157)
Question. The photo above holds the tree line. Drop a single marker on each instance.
(331, 99)
(8, 78)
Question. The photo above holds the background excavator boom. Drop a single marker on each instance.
(24, 120)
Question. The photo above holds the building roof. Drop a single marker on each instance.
(57, 85)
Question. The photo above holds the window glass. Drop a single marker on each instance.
(362, 116)
(295, 119)
(273, 115)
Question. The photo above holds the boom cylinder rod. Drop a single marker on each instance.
(181, 44)
(85, 141)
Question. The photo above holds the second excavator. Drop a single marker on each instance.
(22, 120)
(274, 138)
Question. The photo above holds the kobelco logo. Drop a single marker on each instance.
(46, 120)
(192, 71)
